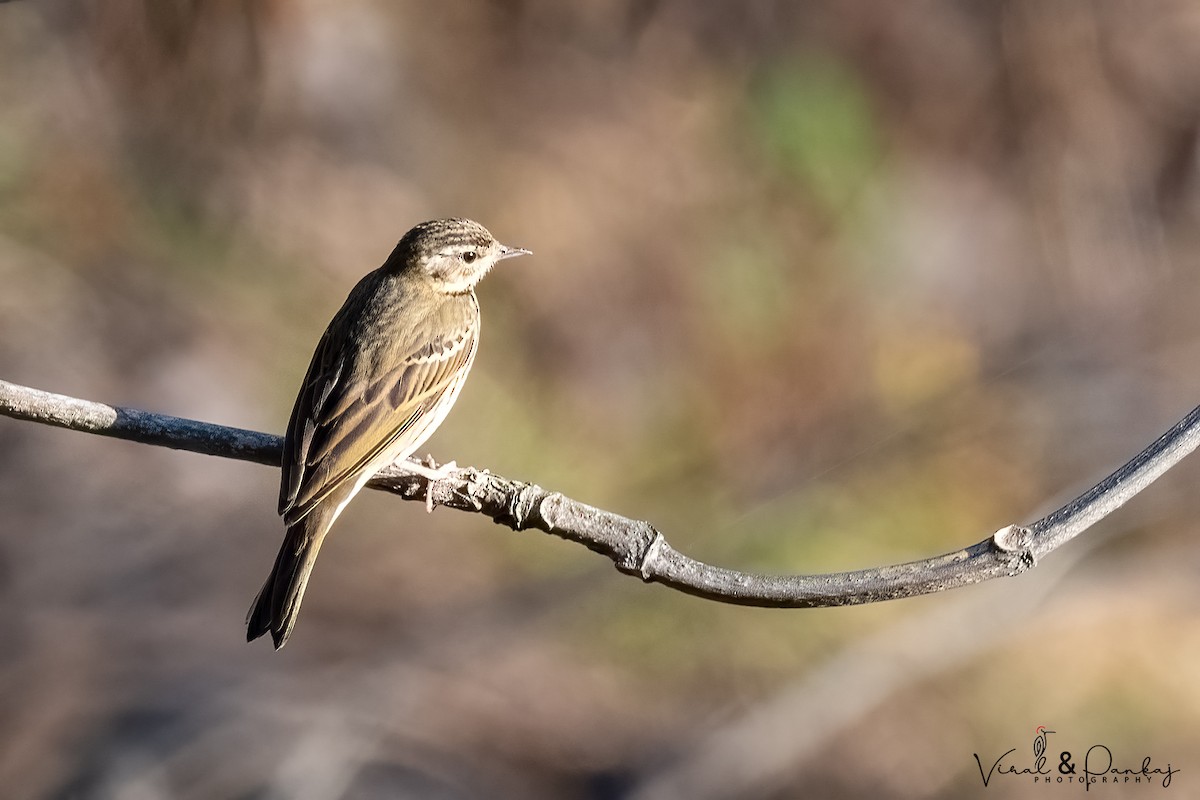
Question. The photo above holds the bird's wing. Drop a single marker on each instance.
(352, 408)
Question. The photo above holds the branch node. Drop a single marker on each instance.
(1016, 541)
(651, 556)
(1013, 538)
(473, 486)
(524, 502)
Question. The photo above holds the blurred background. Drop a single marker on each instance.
(816, 286)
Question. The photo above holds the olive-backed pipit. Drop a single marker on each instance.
(383, 377)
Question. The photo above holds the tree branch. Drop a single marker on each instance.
(633, 545)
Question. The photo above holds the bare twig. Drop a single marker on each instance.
(635, 546)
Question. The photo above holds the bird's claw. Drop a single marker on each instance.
(428, 469)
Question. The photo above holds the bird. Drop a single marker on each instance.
(382, 379)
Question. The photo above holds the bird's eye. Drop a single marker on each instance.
(469, 256)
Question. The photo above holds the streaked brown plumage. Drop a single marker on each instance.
(382, 379)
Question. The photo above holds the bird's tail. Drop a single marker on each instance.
(274, 610)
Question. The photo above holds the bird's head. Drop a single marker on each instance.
(454, 253)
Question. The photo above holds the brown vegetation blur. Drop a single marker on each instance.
(816, 286)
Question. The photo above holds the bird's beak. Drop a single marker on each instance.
(511, 252)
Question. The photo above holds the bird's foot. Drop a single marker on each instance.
(431, 472)
(428, 468)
